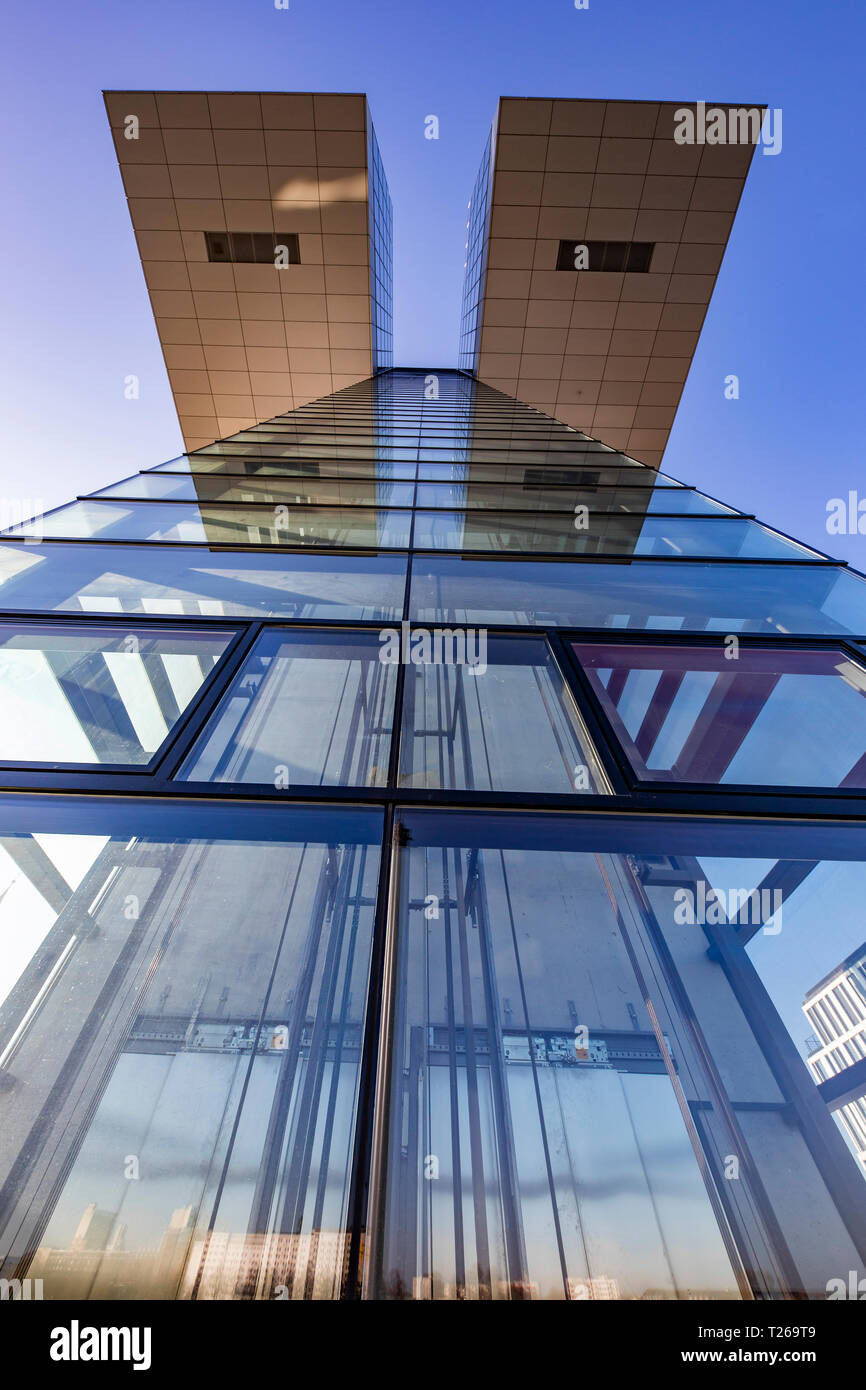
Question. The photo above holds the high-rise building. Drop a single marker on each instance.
(421, 822)
(836, 1009)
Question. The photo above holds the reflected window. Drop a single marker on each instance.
(765, 716)
(107, 694)
(502, 719)
(309, 708)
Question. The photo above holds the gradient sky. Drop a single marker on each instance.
(787, 314)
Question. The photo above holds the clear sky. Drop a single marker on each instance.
(787, 315)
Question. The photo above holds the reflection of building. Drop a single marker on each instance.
(836, 1009)
(224, 1265)
(599, 1286)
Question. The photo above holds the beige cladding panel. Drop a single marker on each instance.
(246, 342)
(607, 352)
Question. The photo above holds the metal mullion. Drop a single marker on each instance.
(50, 616)
(194, 718)
(375, 1053)
(759, 804)
(606, 746)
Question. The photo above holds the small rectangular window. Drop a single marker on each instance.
(258, 248)
(307, 708)
(81, 694)
(492, 714)
(694, 714)
(576, 254)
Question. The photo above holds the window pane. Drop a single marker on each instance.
(180, 1072)
(524, 1159)
(505, 723)
(155, 521)
(546, 1132)
(724, 598)
(601, 534)
(72, 694)
(807, 945)
(565, 499)
(691, 714)
(256, 464)
(553, 470)
(305, 708)
(197, 583)
(155, 485)
(277, 492)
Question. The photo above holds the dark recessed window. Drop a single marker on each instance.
(605, 255)
(259, 248)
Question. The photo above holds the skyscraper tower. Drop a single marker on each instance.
(421, 817)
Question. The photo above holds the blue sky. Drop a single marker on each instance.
(787, 315)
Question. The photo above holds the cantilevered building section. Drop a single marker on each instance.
(263, 221)
(606, 347)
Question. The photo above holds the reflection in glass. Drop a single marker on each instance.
(195, 525)
(180, 1103)
(305, 708)
(600, 533)
(75, 694)
(693, 714)
(779, 599)
(577, 1047)
(506, 724)
(195, 583)
(276, 492)
(535, 1148)
(811, 958)
(491, 496)
(265, 460)
(548, 471)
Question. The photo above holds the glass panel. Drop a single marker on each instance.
(808, 948)
(525, 1158)
(155, 521)
(155, 485)
(714, 714)
(547, 1133)
(566, 499)
(195, 583)
(180, 1073)
(294, 492)
(601, 534)
(723, 598)
(305, 708)
(266, 461)
(505, 722)
(73, 694)
(548, 471)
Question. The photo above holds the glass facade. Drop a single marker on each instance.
(381, 255)
(431, 849)
(475, 265)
